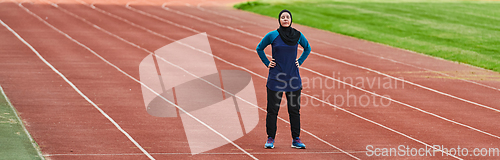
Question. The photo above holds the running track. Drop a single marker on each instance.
(97, 111)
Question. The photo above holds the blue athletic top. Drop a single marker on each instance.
(285, 75)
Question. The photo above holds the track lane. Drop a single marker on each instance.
(141, 18)
(90, 18)
(230, 54)
(489, 115)
(141, 59)
(47, 96)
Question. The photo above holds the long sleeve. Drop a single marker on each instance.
(268, 39)
(307, 49)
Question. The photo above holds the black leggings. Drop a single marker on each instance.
(273, 106)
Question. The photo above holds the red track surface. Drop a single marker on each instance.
(456, 109)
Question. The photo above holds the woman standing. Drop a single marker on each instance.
(284, 75)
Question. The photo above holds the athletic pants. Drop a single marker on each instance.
(273, 106)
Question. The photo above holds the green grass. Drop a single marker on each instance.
(14, 142)
(461, 31)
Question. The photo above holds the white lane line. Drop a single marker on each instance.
(217, 153)
(130, 2)
(74, 87)
(404, 104)
(334, 59)
(33, 143)
(95, 53)
(352, 49)
(133, 24)
(312, 98)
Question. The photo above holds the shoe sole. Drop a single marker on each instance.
(298, 147)
(268, 147)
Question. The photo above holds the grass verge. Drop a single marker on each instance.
(462, 31)
(15, 143)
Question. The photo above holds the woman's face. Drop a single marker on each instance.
(285, 19)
